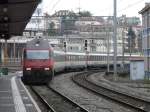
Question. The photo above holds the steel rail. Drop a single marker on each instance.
(49, 107)
(120, 97)
(69, 100)
(76, 107)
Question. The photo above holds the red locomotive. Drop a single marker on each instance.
(37, 61)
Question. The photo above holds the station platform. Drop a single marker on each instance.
(14, 97)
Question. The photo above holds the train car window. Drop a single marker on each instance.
(51, 54)
(94, 58)
(24, 54)
(68, 57)
(55, 56)
(81, 58)
(118, 58)
(100, 58)
(104, 58)
(37, 54)
(78, 58)
(60, 58)
(111, 57)
(74, 58)
(89, 57)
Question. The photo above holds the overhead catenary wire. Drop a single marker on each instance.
(123, 9)
(130, 5)
(110, 8)
(49, 4)
(56, 3)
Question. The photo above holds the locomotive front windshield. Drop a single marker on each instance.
(37, 54)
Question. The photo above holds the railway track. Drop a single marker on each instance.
(42, 99)
(133, 102)
(56, 102)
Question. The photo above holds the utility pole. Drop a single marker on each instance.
(123, 37)
(130, 45)
(14, 50)
(5, 53)
(108, 69)
(115, 40)
(107, 36)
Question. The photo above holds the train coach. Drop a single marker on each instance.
(41, 61)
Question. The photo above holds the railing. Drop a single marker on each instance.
(10, 62)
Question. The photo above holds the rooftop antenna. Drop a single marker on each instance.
(38, 14)
(79, 7)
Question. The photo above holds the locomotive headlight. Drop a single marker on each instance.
(28, 68)
(46, 68)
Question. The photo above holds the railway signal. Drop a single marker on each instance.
(85, 45)
(65, 45)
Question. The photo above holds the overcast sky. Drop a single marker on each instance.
(96, 7)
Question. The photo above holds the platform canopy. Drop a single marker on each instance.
(14, 16)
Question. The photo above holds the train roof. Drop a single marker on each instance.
(92, 54)
(38, 43)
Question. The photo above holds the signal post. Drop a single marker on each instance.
(65, 50)
(86, 53)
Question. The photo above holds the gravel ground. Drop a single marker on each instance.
(127, 86)
(141, 87)
(88, 100)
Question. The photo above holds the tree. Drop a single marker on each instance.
(85, 14)
(131, 39)
(51, 30)
(68, 23)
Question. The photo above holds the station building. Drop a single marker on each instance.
(145, 12)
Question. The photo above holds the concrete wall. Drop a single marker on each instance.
(137, 70)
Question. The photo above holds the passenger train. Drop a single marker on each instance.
(41, 61)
